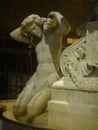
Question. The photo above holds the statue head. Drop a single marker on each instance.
(30, 30)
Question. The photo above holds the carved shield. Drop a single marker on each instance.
(92, 43)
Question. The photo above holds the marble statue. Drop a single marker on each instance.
(45, 34)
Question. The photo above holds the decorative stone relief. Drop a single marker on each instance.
(74, 104)
(79, 62)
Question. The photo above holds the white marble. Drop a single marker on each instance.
(74, 103)
(73, 110)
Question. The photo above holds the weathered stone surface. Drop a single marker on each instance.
(74, 104)
(73, 110)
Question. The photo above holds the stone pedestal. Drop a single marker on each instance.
(73, 110)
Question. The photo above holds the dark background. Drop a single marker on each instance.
(16, 63)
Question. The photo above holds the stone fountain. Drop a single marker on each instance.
(68, 102)
(74, 104)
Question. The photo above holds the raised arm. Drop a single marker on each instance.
(63, 26)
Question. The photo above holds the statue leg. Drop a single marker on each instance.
(38, 104)
(20, 105)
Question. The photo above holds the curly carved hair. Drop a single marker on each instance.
(30, 19)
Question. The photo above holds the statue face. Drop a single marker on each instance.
(32, 29)
(32, 32)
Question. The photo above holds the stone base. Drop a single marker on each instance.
(73, 110)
